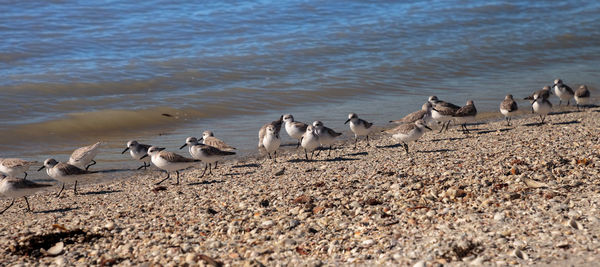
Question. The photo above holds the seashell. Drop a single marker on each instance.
(520, 254)
(54, 250)
(533, 183)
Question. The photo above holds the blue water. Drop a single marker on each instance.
(78, 71)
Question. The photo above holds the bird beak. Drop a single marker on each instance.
(127, 148)
(201, 138)
(41, 168)
(347, 121)
(183, 146)
(427, 127)
(144, 156)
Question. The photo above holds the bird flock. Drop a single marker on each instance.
(210, 150)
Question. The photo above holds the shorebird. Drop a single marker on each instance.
(543, 93)
(423, 114)
(442, 111)
(564, 92)
(139, 152)
(406, 133)
(205, 153)
(326, 135)
(82, 156)
(359, 127)
(169, 161)
(508, 108)
(208, 138)
(271, 142)
(309, 141)
(466, 114)
(13, 167)
(16, 187)
(263, 130)
(294, 129)
(64, 172)
(582, 96)
(542, 107)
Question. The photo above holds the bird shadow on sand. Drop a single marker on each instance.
(358, 154)
(389, 146)
(436, 150)
(451, 138)
(336, 159)
(495, 130)
(250, 165)
(55, 210)
(239, 173)
(102, 192)
(566, 122)
(207, 182)
(562, 112)
(534, 124)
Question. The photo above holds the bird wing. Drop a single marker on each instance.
(12, 163)
(23, 183)
(468, 110)
(402, 128)
(509, 105)
(69, 169)
(412, 117)
(261, 134)
(216, 142)
(582, 92)
(215, 151)
(365, 123)
(172, 157)
(83, 151)
(332, 132)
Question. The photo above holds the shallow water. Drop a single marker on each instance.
(73, 73)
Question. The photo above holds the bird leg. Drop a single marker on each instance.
(63, 188)
(88, 166)
(25, 176)
(298, 145)
(11, 203)
(210, 168)
(75, 188)
(168, 176)
(205, 167)
(26, 201)
(216, 164)
(405, 147)
(177, 177)
(329, 154)
(269, 154)
(368, 141)
(355, 141)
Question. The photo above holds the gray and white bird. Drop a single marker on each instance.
(508, 108)
(543, 93)
(466, 114)
(309, 141)
(326, 135)
(409, 132)
(14, 167)
(16, 187)
(542, 107)
(205, 153)
(563, 91)
(263, 130)
(138, 152)
(82, 156)
(64, 173)
(294, 129)
(442, 111)
(271, 142)
(421, 114)
(582, 96)
(359, 127)
(169, 161)
(208, 138)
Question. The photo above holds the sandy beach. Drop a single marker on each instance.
(524, 194)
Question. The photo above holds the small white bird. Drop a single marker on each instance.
(14, 167)
(309, 141)
(82, 156)
(16, 187)
(564, 92)
(582, 96)
(208, 138)
(466, 114)
(294, 129)
(359, 127)
(263, 130)
(326, 135)
(508, 108)
(169, 161)
(542, 107)
(64, 172)
(406, 133)
(271, 142)
(205, 153)
(139, 152)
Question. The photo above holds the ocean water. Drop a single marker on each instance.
(74, 72)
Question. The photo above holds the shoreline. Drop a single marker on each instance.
(455, 199)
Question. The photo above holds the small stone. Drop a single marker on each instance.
(520, 254)
(267, 224)
(109, 226)
(190, 258)
(368, 242)
(499, 217)
(420, 264)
